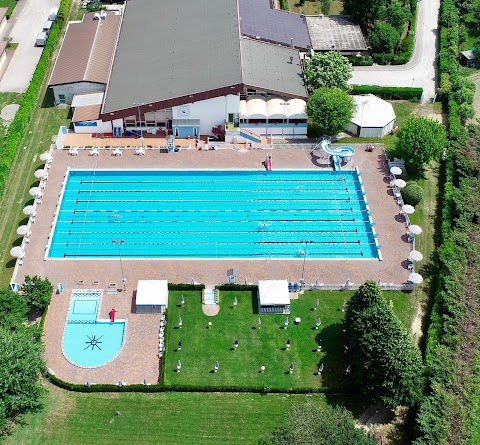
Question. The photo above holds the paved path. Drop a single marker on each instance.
(27, 23)
(421, 70)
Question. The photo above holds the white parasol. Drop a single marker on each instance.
(17, 252)
(400, 183)
(415, 255)
(416, 230)
(23, 230)
(415, 278)
(40, 174)
(29, 211)
(396, 171)
(47, 156)
(408, 209)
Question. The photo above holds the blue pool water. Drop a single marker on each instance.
(213, 214)
(88, 342)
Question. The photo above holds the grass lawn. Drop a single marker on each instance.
(312, 7)
(202, 347)
(473, 31)
(170, 418)
(10, 4)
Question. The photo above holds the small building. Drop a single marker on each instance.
(152, 297)
(85, 58)
(273, 297)
(86, 111)
(374, 117)
(469, 58)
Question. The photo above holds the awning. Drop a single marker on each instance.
(152, 293)
(273, 293)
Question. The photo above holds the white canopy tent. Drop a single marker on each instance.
(273, 297)
(276, 108)
(152, 296)
(256, 109)
(374, 117)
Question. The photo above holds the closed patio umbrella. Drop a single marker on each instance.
(408, 209)
(400, 183)
(23, 230)
(396, 171)
(415, 255)
(17, 252)
(29, 211)
(416, 230)
(46, 156)
(415, 278)
(35, 192)
(40, 174)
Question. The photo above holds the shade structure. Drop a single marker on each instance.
(35, 191)
(17, 252)
(416, 230)
(396, 171)
(29, 211)
(415, 278)
(40, 174)
(415, 255)
(408, 209)
(46, 156)
(400, 183)
(23, 230)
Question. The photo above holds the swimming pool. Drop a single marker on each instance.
(87, 341)
(213, 214)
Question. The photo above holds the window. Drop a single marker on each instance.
(176, 131)
(61, 98)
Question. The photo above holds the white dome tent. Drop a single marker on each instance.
(374, 117)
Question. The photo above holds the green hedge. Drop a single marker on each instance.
(237, 287)
(178, 388)
(185, 286)
(28, 101)
(284, 5)
(393, 93)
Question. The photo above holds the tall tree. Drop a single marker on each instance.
(38, 291)
(13, 309)
(386, 364)
(328, 70)
(384, 38)
(331, 109)
(20, 367)
(421, 140)
(312, 423)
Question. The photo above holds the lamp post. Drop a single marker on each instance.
(119, 242)
(140, 120)
(285, 105)
(304, 253)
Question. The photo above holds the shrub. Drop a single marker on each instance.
(384, 37)
(392, 93)
(412, 194)
(466, 111)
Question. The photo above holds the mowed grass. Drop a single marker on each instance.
(167, 418)
(10, 4)
(313, 7)
(264, 345)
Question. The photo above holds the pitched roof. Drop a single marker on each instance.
(193, 52)
(86, 113)
(87, 50)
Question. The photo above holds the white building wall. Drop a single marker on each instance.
(211, 112)
(69, 90)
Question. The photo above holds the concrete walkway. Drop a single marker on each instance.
(421, 70)
(26, 22)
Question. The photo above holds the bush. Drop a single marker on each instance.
(392, 93)
(466, 111)
(313, 130)
(412, 194)
(384, 37)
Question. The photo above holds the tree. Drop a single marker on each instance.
(312, 423)
(13, 309)
(331, 109)
(326, 5)
(420, 140)
(20, 367)
(386, 364)
(38, 291)
(395, 14)
(384, 38)
(330, 70)
(412, 194)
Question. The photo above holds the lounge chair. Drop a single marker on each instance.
(117, 152)
(73, 152)
(93, 152)
(139, 151)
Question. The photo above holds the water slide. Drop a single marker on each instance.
(340, 152)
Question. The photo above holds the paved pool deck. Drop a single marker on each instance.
(138, 359)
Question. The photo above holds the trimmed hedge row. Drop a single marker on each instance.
(185, 286)
(239, 287)
(16, 130)
(393, 93)
(178, 388)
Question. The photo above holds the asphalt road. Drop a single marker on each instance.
(27, 23)
(421, 70)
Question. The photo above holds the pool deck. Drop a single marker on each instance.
(138, 359)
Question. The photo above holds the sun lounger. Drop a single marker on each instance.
(139, 151)
(94, 152)
(117, 152)
(73, 152)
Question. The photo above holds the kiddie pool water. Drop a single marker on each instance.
(212, 214)
(88, 342)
